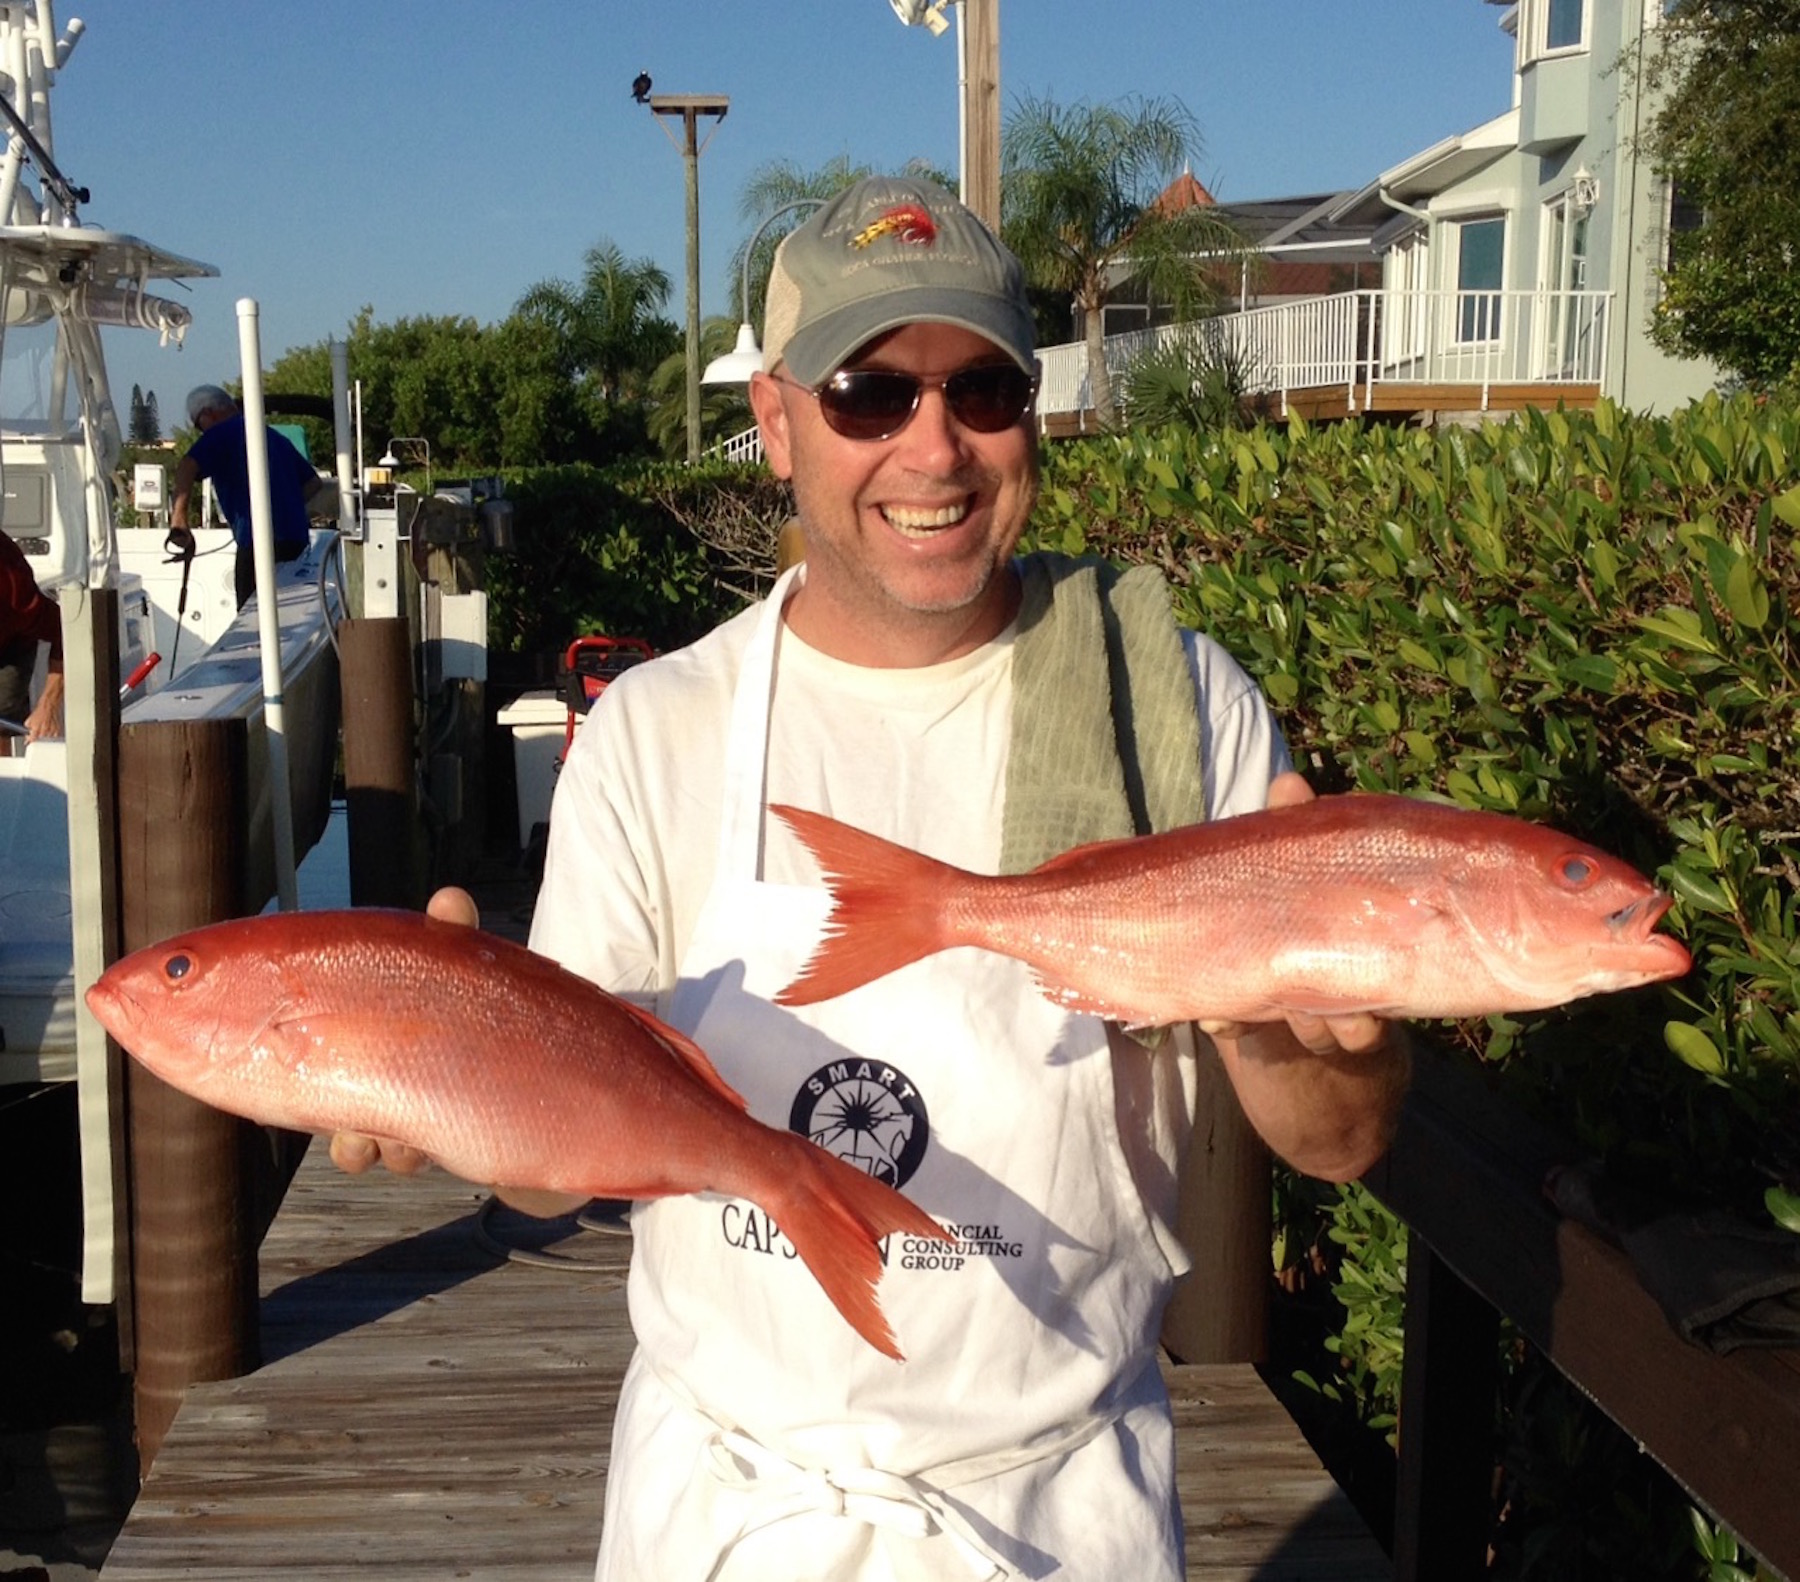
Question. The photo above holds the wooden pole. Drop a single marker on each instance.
(1220, 1311)
(980, 20)
(194, 1296)
(690, 154)
(381, 801)
(690, 107)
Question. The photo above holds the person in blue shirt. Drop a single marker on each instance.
(221, 454)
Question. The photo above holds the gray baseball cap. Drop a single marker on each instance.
(889, 251)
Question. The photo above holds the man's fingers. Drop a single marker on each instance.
(1289, 789)
(454, 905)
(353, 1153)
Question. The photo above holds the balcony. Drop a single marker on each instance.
(1407, 352)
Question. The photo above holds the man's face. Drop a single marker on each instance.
(907, 538)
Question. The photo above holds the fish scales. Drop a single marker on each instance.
(1352, 903)
(496, 1062)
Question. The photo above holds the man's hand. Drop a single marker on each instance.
(355, 1152)
(1324, 1091)
(46, 718)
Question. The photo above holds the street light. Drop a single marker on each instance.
(690, 107)
(978, 89)
(745, 358)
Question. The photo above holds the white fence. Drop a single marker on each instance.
(1356, 340)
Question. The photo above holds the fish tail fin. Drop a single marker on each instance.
(834, 1214)
(886, 910)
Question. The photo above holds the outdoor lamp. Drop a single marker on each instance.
(745, 358)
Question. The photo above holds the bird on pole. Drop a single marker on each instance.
(640, 87)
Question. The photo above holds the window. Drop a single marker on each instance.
(1480, 271)
(1550, 27)
(1569, 313)
(1685, 216)
(1563, 24)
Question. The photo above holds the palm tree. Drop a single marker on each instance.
(724, 409)
(1078, 205)
(610, 330)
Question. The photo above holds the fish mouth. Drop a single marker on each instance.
(113, 1009)
(1635, 921)
(1662, 955)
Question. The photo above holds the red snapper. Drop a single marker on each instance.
(498, 1063)
(1346, 903)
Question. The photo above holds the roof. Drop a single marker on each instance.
(1433, 170)
(1184, 192)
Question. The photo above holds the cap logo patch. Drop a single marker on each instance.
(910, 222)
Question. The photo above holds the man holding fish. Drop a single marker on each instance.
(913, 679)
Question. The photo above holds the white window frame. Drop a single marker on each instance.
(1534, 30)
(1564, 240)
(1468, 313)
(1406, 275)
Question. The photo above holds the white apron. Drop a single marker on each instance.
(1027, 1434)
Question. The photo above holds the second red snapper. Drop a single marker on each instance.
(1346, 903)
(498, 1063)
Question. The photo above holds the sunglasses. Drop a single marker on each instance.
(876, 403)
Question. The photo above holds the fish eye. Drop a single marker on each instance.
(1576, 870)
(178, 966)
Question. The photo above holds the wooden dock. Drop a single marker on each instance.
(428, 1409)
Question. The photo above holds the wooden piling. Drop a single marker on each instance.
(193, 1169)
(1220, 1311)
(381, 802)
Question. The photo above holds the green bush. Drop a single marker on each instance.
(597, 552)
(1584, 619)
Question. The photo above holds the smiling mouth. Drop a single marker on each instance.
(918, 522)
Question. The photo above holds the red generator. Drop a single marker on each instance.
(590, 665)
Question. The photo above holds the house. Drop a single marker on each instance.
(1541, 234)
(1520, 261)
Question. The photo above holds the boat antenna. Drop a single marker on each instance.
(65, 194)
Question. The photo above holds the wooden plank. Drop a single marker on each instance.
(430, 1410)
(1466, 1171)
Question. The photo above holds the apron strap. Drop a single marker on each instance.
(908, 1507)
(913, 1507)
(747, 742)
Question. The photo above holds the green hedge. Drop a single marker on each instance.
(599, 552)
(1586, 619)
(1583, 619)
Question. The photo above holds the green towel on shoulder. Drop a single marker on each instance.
(1099, 750)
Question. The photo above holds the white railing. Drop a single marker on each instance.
(1357, 339)
(743, 447)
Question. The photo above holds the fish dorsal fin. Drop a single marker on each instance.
(690, 1054)
(1076, 855)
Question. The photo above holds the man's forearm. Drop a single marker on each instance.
(1329, 1109)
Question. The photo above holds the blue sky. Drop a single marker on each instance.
(440, 156)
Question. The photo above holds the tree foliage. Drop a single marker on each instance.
(143, 426)
(1078, 205)
(609, 329)
(1726, 77)
(724, 409)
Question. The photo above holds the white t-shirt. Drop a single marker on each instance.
(917, 756)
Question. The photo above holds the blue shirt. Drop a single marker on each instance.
(221, 454)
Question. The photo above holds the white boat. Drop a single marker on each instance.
(61, 282)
